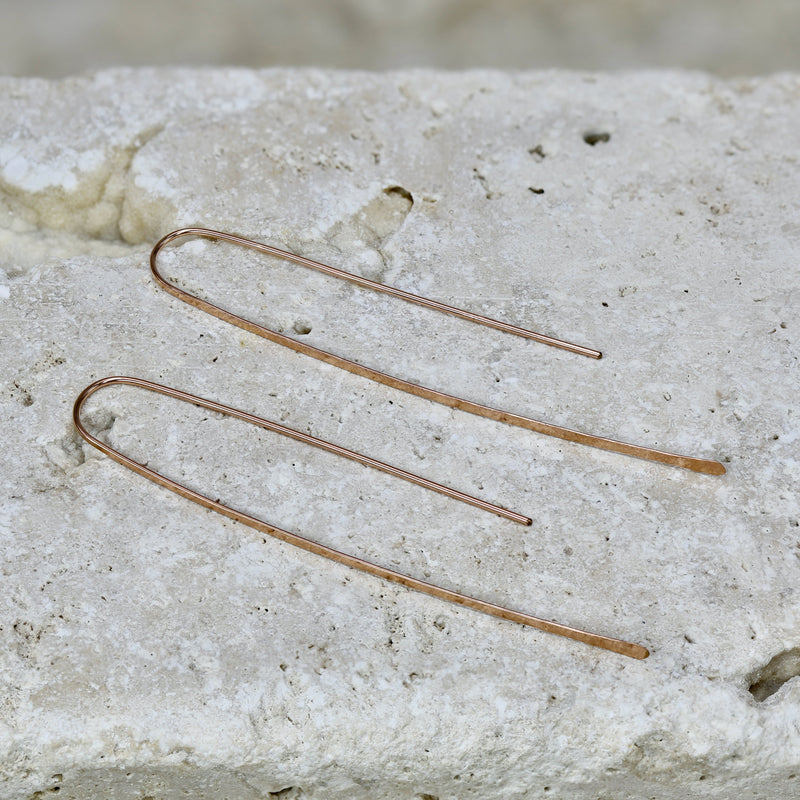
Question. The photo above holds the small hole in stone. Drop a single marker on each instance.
(535, 191)
(605, 305)
(281, 792)
(777, 671)
(301, 327)
(593, 137)
(400, 193)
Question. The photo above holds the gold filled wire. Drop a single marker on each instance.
(703, 465)
(606, 642)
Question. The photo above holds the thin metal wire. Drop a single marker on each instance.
(607, 643)
(703, 465)
(300, 437)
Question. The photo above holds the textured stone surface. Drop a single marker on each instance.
(149, 648)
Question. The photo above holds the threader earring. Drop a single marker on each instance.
(688, 462)
(598, 640)
(704, 465)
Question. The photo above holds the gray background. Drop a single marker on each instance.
(728, 37)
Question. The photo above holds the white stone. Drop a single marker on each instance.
(151, 648)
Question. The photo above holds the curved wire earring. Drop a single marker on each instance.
(597, 640)
(703, 465)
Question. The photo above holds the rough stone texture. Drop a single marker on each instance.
(728, 37)
(149, 648)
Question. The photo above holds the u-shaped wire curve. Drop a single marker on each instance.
(597, 640)
(276, 428)
(703, 465)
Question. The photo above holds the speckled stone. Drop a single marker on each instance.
(152, 649)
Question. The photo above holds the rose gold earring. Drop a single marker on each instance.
(597, 640)
(703, 465)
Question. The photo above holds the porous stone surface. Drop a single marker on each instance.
(152, 649)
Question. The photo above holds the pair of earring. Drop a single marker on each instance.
(687, 462)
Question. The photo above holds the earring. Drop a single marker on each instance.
(597, 640)
(703, 465)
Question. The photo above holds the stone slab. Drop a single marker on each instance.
(149, 648)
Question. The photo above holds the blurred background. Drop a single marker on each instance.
(53, 38)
